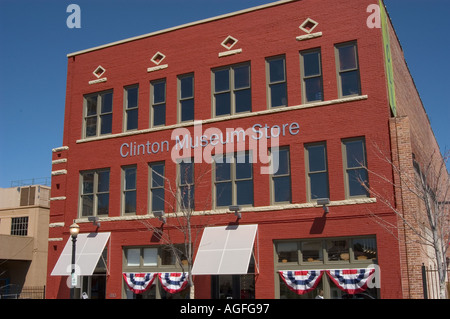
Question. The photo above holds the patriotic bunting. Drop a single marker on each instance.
(173, 282)
(301, 281)
(351, 281)
(139, 282)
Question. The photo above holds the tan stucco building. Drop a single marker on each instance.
(24, 219)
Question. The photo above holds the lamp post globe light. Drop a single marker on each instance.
(74, 229)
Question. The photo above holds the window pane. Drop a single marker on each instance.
(243, 166)
(223, 194)
(150, 257)
(186, 173)
(350, 83)
(133, 256)
(317, 160)
(243, 100)
(312, 251)
(347, 57)
(281, 161)
(103, 204)
(87, 204)
(91, 126)
(313, 89)
(223, 104)
(244, 190)
(364, 248)
(132, 97)
(132, 119)
(157, 175)
(287, 252)
(88, 183)
(187, 110)
(187, 87)
(319, 185)
(223, 171)
(158, 200)
(130, 178)
(159, 92)
(91, 102)
(338, 250)
(130, 202)
(355, 178)
(355, 153)
(221, 80)
(187, 196)
(107, 102)
(167, 257)
(311, 64)
(276, 70)
(241, 77)
(278, 94)
(103, 181)
(106, 122)
(282, 189)
(159, 114)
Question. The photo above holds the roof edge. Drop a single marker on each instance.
(223, 16)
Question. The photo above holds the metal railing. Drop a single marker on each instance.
(430, 282)
(16, 292)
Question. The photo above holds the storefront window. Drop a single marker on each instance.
(312, 251)
(287, 252)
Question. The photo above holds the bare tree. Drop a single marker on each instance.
(428, 224)
(178, 219)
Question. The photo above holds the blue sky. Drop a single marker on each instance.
(34, 42)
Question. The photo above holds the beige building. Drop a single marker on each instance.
(24, 219)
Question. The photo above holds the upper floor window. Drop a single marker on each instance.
(186, 98)
(281, 177)
(19, 226)
(94, 193)
(186, 185)
(232, 90)
(233, 180)
(129, 189)
(348, 69)
(98, 114)
(156, 187)
(311, 72)
(276, 81)
(158, 103)
(317, 171)
(354, 152)
(131, 108)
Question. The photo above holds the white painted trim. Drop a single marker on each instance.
(101, 73)
(59, 172)
(309, 36)
(305, 22)
(55, 239)
(163, 56)
(261, 209)
(273, 4)
(98, 81)
(231, 52)
(58, 198)
(227, 118)
(226, 40)
(59, 161)
(159, 67)
(61, 148)
(54, 225)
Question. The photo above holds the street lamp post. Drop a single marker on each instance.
(74, 230)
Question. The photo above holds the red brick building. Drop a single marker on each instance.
(311, 74)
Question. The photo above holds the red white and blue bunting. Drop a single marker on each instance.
(351, 281)
(173, 282)
(139, 282)
(301, 281)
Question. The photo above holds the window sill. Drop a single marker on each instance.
(227, 118)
